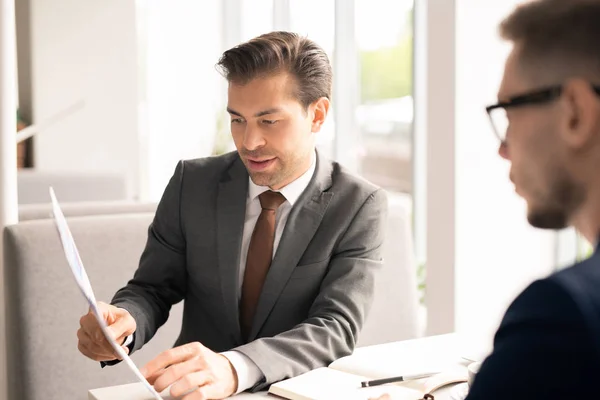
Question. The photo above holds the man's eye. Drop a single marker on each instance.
(269, 121)
(237, 121)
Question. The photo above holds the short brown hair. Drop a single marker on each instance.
(278, 52)
(558, 36)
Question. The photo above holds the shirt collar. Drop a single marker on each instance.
(292, 191)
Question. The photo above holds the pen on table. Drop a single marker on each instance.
(396, 379)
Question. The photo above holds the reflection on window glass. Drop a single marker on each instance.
(257, 18)
(315, 19)
(385, 114)
(385, 111)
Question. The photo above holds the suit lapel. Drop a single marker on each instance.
(302, 223)
(231, 213)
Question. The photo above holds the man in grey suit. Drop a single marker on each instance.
(273, 248)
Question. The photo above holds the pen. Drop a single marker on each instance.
(404, 378)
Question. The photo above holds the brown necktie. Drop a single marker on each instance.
(260, 254)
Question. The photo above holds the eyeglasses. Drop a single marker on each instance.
(497, 112)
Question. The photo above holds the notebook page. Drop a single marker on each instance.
(329, 384)
(433, 354)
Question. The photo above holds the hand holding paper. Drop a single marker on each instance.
(103, 316)
(92, 342)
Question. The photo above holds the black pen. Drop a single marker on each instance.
(396, 379)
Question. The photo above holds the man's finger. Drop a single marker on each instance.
(202, 393)
(196, 382)
(102, 346)
(170, 357)
(83, 337)
(105, 345)
(94, 355)
(92, 346)
(85, 351)
(122, 327)
(175, 372)
(121, 339)
(90, 340)
(89, 324)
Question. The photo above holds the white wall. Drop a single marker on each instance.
(497, 252)
(86, 50)
(8, 156)
(435, 119)
(145, 70)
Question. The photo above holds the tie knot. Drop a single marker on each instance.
(271, 200)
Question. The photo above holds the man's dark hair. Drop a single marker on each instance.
(280, 52)
(561, 37)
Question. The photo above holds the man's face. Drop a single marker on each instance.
(273, 133)
(538, 156)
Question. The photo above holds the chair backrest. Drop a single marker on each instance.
(394, 314)
(29, 212)
(32, 186)
(44, 304)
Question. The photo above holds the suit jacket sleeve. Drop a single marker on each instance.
(160, 280)
(339, 310)
(542, 349)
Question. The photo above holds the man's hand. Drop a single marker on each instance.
(92, 342)
(195, 369)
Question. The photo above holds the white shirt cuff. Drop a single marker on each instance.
(247, 371)
(128, 340)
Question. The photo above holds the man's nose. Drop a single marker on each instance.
(253, 138)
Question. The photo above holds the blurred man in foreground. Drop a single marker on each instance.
(548, 123)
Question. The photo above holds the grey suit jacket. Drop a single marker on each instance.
(318, 290)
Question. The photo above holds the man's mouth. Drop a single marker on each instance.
(258, 164)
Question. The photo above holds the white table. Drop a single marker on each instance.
(446, 346)
(135, 391)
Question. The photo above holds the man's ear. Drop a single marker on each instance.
(320, 110)
(580, 113)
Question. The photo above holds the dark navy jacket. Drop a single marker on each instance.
(548, 344)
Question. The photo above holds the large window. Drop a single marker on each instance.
(382, 84)
(371, 127)
(385, 113)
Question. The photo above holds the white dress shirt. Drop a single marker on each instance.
(248, 373)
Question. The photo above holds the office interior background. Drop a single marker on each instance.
(122, 89)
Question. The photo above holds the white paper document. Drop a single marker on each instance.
(83, 282)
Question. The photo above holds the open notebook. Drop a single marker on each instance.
(342, 379)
